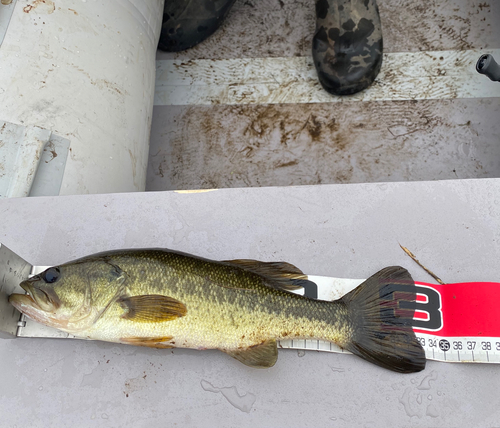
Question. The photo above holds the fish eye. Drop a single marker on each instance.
(51, 275)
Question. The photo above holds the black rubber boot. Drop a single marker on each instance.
(188, 22)
(347, 45)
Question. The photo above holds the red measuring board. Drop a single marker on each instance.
(459, 322)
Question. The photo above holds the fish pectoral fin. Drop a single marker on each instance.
(281, 275)
(150, 342)
(152, 308)
(260, 356)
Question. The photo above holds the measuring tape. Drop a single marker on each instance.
(453, 322)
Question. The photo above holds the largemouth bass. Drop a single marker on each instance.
(165, 299)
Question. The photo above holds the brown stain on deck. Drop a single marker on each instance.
(40, 6)
(202, 147)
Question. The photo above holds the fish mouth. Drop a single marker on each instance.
(39, 305)
(36, 300)
(34, 305)
(23, 301)
(25, 304)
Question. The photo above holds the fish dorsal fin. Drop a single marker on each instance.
(152, 308)
(282, 275)
(260, 356)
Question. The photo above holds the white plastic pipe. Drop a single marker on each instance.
(85, 69)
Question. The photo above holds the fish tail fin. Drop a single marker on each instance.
(381, 311)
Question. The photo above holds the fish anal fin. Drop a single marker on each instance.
(152, 308)
(261, 356)
(150, 342)
(281, 275)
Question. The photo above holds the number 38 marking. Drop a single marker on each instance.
(486, 346)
